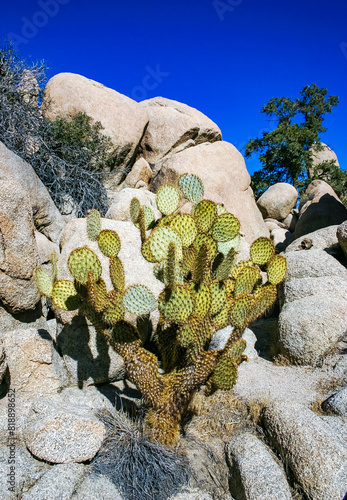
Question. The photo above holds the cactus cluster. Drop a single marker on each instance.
(195, 256)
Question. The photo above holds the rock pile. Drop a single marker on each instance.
(281, 430)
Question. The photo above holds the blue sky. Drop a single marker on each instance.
(226, 58)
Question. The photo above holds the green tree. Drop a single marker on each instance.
(286, 151)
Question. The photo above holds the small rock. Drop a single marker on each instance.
(141, 171)
(281, 238)
(97, 487)
(255, 474)
(59, 483)
(220, 338)
(311, 449)
(277, 201)
(64, 429)
(337, 403)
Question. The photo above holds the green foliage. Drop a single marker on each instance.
(204, 291)
(286, 151)
(69, 156)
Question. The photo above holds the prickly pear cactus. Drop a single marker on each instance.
(195, 256)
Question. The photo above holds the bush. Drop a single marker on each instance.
(70, 157)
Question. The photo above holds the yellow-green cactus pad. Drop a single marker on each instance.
(221, 320)
(225, 246)
(134, 210)
(229, 287)
(186, 335)
(43, 282)
(205, 238)
(191, 187)
(159, 242)
(202, 265)
(176, 305)
(65, 296)
(225, 373)
(246, 280)
(146, 252)
(240, 314)
(236, 350)
(225, 228)
(81, 261)
(203, 300)
(93, 224)
(168, 198)
(262, 250)
(139, 300)
(114, 310)
(109, 242)
(238, 269)
(189, 258)
(264, 297)
(276, 269)
(117, 274)
(225, 267)
(149, 217)
(185, 227)
(219, 297)
(97, 293)
(205, 213)
(221, 209)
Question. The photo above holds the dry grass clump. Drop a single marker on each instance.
(255, 410)
(217, 415)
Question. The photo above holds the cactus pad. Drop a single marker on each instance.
(114, 310)
(139, 300)
(219, 297)
(276, 269)
(225, 228)
(225, 373)
(185, 227)
(97, 293)
(246, 280)
(205, 238)
(125, 333)
(262, 250)
(117, 274)
(205, 213)
(159, 242)
(81, 261)
(240, 314)
(135, 206)
(64, 295)
(168, 198)
(146, 252)
(191, 187)
(203, 300)
(177, 305)
(43, 282)
(93, 224)
(225, 246)
(109, 242)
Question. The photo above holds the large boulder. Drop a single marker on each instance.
(326, 154)
(314, 315)
(88, 357)
(44, 211)
(63, 428)
(222, 169)
(277, 201)
(174, 126)
(321, 207)
(311, 449)
(124, 121)
(18, 249)
(120, 206)
(324, 239)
